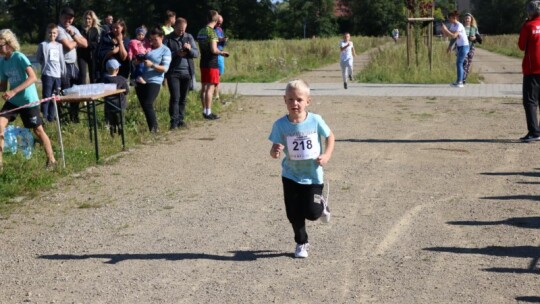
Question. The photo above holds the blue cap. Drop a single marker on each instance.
(112, 64)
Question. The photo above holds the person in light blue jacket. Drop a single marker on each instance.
(156, 64)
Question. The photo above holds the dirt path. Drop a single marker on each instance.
(433, 201)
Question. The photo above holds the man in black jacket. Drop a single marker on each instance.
(181, 73)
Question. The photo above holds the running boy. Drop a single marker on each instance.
(347, 55)
(17, 82)
(298, 136)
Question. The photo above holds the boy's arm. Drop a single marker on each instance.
(328, 150)
(29, 81)
(275, 152)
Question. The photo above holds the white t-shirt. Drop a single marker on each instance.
(346, 53)
(71, 55)
(462, 39)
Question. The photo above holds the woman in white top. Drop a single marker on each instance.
(457, 31)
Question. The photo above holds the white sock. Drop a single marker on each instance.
(205, 111)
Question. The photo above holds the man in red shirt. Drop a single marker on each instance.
(529, 42)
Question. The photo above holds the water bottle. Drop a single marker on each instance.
(10, 140)
(26, 142)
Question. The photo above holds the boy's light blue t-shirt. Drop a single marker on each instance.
(13, 70)
(303, 145)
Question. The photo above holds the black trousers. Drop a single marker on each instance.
(147, 94)
(531, 96)
(178, 88)
(302, 202)
(68, 80)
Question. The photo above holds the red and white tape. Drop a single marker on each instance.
(31, 104)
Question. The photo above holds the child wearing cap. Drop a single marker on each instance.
(137, 48)
(115, 104)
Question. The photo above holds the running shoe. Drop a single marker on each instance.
(301, 250)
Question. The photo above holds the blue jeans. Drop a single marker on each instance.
(461, 55)
(50, 85)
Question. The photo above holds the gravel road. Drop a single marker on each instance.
(433, 201)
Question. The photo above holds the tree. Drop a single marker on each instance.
(499, 16)
(377, 17)
(298, 18)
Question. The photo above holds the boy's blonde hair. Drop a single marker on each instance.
(298, 84)
(9, 37)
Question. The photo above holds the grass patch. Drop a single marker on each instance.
(389, 65)
(272, 60)
(28, 178)
(502, 44)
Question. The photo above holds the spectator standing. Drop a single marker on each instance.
(86, 57)
(108, 22)
(138, 48)
(347, 55)
(529, 42)
(17, 72)
(208, 40)
(471, 29)
(114, 105)
(71, 39)
(114, 45)
(457, 31)
(50, 56)
(181, 71)
(222, 41)
(168, 23)
(156, 64)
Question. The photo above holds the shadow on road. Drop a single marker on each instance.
(529, 299)
(513, 252)
(421, 141)
(521, 222)
(513, 197)
(238, 256)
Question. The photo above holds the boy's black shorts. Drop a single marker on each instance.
(30, 116)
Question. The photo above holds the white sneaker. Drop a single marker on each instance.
(457, 84)
(325, 216)
(301, 250)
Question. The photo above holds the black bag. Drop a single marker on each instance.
(478, 38)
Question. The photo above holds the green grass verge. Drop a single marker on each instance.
(502, 44)
(389, 65)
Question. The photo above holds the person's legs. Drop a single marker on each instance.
(350, 68)
(46, 142)
(185, 83)
(462, 52)
(313, 202)
(467, 63)
(173, 83)
(48, 85)
(208, 93)
(147, 93)
(221, 67)
(295, 210)
(531, 95)
(32, 120)
(343, 65)
(72, 74)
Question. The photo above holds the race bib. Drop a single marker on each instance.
(303, 147)
(54, 55)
